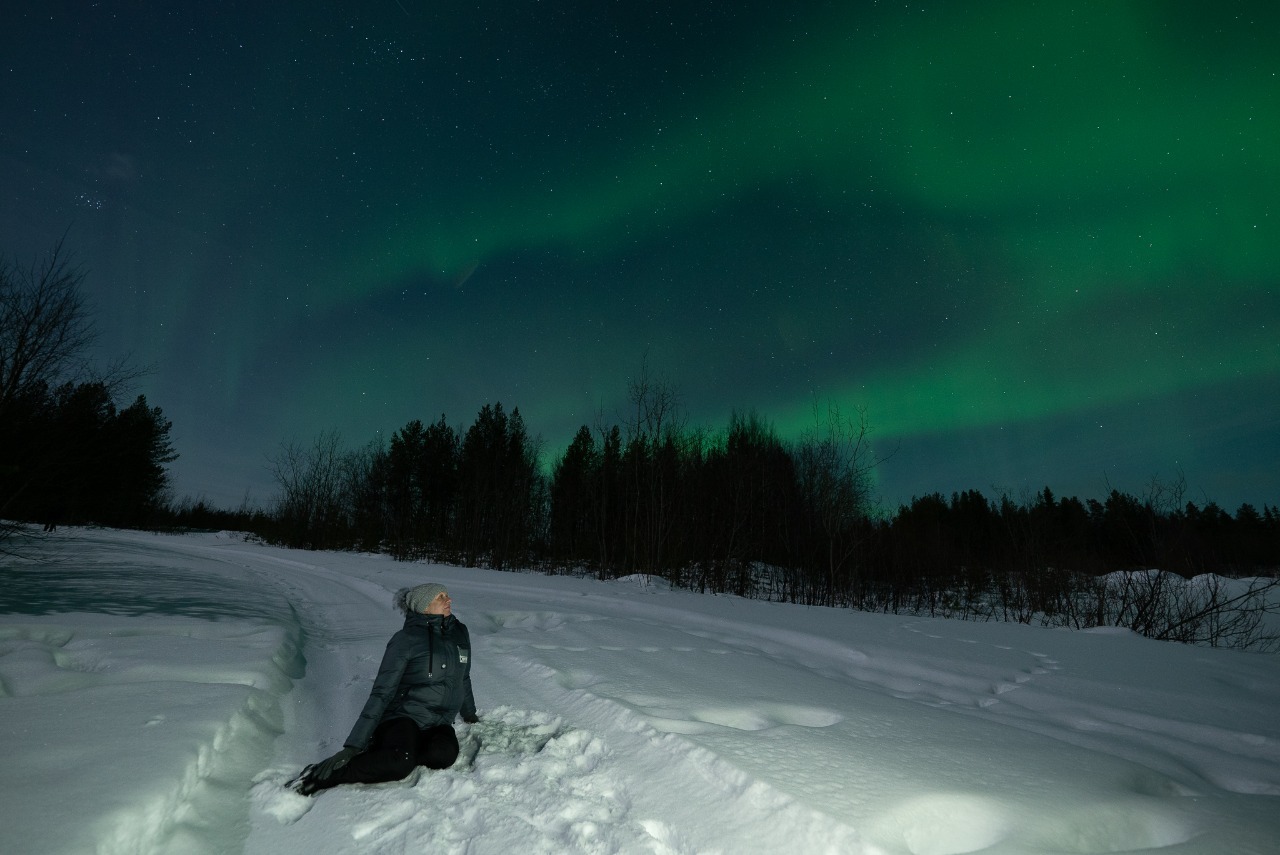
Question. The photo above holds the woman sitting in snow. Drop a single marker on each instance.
(424, 682)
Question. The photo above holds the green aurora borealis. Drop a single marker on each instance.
(1038, 242)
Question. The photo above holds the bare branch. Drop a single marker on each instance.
(45, 327)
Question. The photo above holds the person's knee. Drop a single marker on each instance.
(440, 748)
(440, 758)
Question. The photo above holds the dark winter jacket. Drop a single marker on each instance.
(425, 675)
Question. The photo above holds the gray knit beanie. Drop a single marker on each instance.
(414, 601)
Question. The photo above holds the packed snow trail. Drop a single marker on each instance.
(624, 717)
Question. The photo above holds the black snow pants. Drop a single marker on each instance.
(398, 747)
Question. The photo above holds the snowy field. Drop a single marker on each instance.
(156, 691)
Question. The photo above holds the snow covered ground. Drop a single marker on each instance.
(156, 691)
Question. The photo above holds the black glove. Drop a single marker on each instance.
(470, 719)
(327, 767)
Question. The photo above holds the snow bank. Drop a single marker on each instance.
(147, 729)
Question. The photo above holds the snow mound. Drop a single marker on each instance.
(151, 726)
(644, 581)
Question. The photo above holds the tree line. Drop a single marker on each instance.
(69, 450)
(746, 512)
(646, 496)
(71, 455)
(710, 509)
(474, 498)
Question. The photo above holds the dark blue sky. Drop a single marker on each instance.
(1039, 245)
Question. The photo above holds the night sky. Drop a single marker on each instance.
(1038, 241)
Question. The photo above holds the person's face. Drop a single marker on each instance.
(441, 605)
